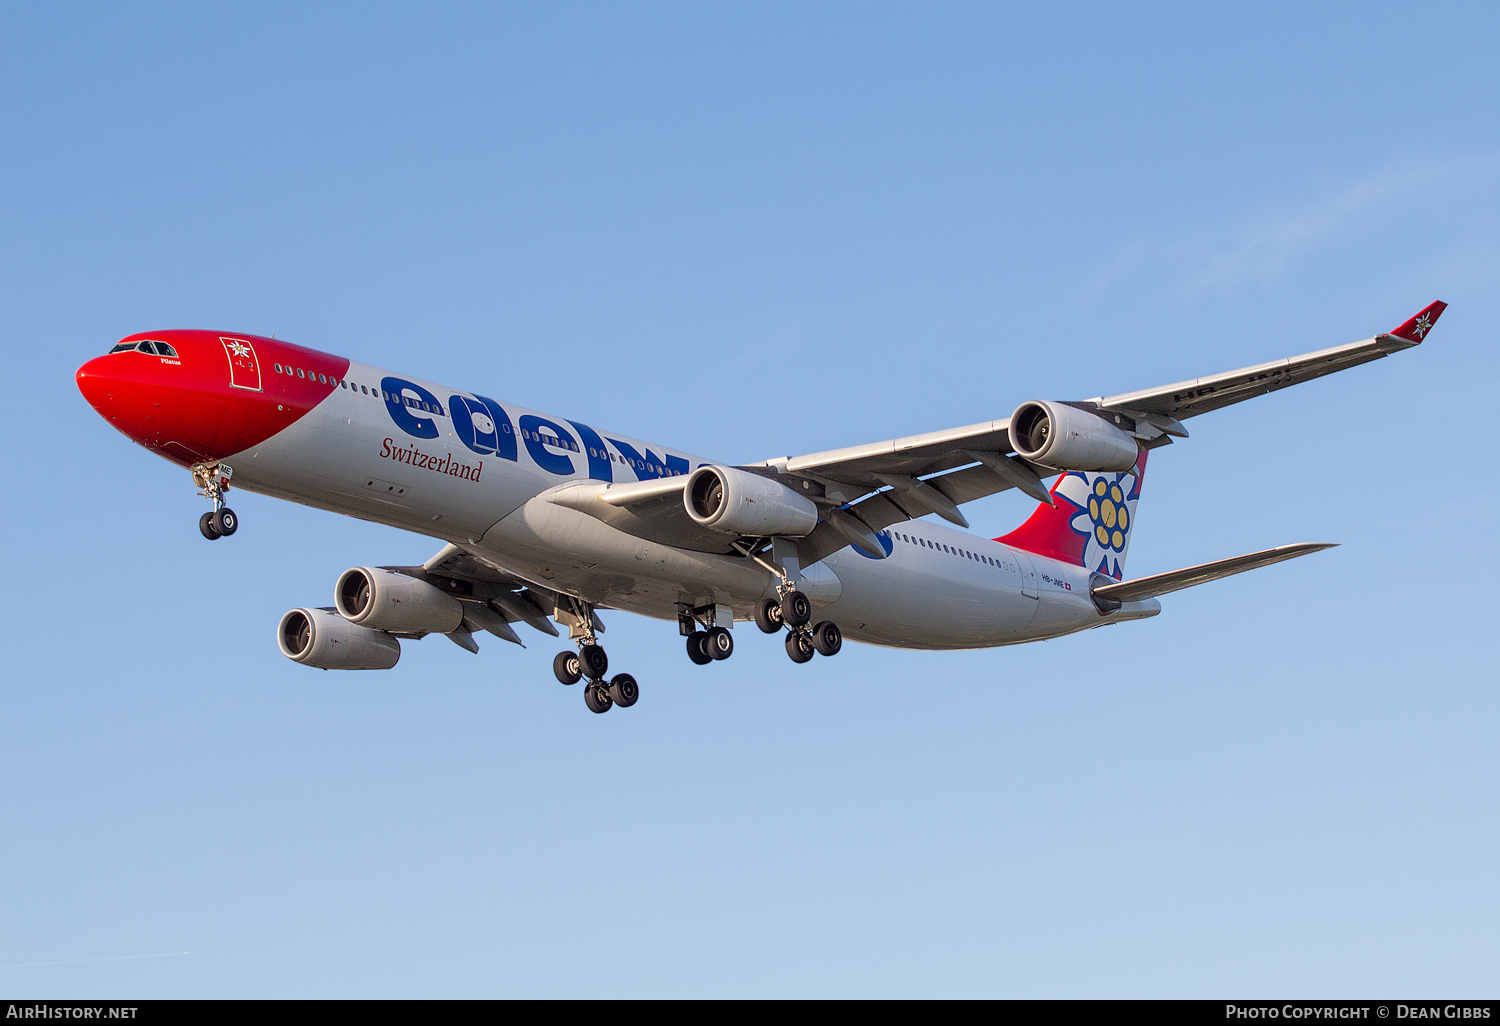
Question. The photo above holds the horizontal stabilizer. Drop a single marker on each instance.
(1176, 580)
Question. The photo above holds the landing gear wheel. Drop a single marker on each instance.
(595, 698)
(225, 522)
(768, 616)
(623, 690)
(718, 642)
(799, 646)
(593, 660)
(696, 652)
(827, 638)
(796, 610)
(565, 666)
(206, 525)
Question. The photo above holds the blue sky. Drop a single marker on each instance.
(750, 231)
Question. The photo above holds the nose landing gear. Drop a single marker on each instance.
(213, 479)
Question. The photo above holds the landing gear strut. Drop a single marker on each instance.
(590, 662)
(213, 479)
(793, 610)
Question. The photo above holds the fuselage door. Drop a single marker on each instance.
(1028, 575)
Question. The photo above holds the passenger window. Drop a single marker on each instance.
(277, 366)
(300, 374)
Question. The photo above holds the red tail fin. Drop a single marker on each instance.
(1416, 329)
(1091, 523)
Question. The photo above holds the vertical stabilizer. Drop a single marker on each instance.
(1091, 523)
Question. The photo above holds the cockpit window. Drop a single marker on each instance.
(154, 348)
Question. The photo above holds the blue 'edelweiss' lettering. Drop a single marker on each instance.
(650, 465)
(599, 468)
(483, 426)
(540, 435)
(402, 410)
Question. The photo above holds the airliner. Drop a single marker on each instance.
(545, 520)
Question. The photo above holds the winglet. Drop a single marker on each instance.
(1416, 329)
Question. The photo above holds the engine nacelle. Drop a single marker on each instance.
(323, 638)
(387, 601)
(738, 502)
(1068, 438)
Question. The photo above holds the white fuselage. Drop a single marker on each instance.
(938, 589)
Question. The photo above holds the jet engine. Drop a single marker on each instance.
(1068, 438)
(738, 502)
(387, 601)
(323, 638)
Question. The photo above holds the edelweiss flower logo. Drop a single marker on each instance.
(239, 349)
(1106, 510)
(1423, 325)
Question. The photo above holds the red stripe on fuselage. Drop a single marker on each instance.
(196, 408)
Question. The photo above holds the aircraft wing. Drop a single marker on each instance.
(1200, 395)
(493, 598)
(1176, 580)
(864, 489)
(885, 483)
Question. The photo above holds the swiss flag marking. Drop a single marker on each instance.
(244, 368)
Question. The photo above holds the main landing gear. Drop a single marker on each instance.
(214, 481)
(793, 611)
(590, 663)
(713, 643)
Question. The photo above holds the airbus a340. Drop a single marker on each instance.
(547, 520)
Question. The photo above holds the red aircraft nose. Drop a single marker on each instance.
(94, 382)
(198, 396)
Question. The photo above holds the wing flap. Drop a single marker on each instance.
(1176, 580)
(514, 597)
